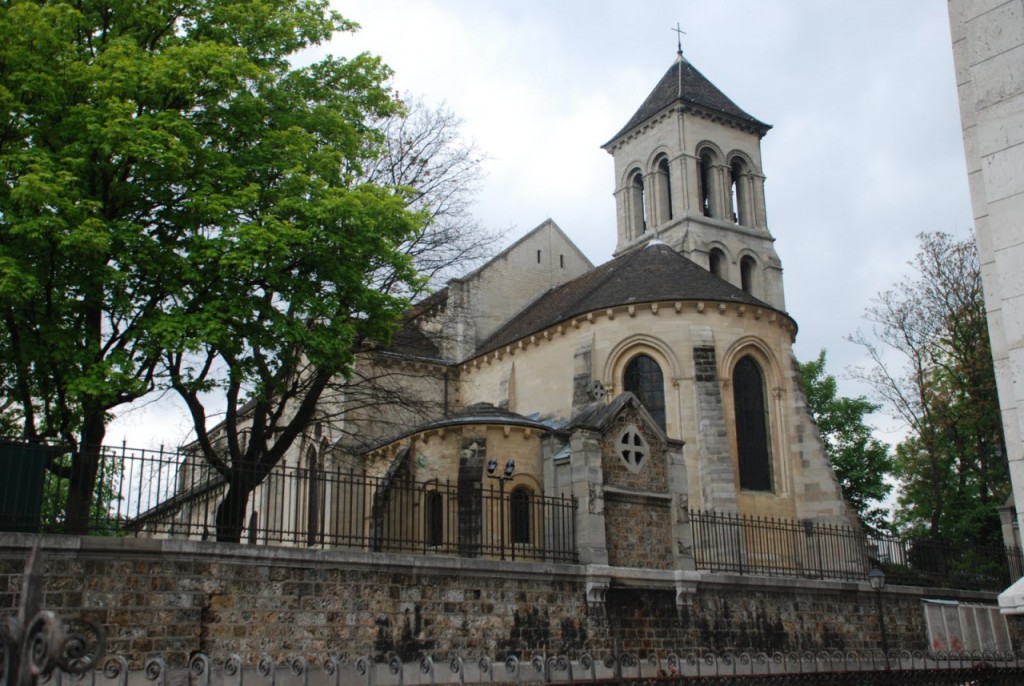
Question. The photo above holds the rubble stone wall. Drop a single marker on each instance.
(174, 598)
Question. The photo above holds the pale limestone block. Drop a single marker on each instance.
(1001, 31)
(1002, 128)
(1011, 285)
(998, 78)
(1004, 173)
(972, 10)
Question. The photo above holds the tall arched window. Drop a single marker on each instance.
(751, 409)
(664, 191)
(643, 378)
(747, 270)
(738, 188)
(638, 202)
(519, 514)
(704, 169)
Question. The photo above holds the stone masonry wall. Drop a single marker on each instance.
(652, 473)
(750, 620)
(639, 531)
(176, 597)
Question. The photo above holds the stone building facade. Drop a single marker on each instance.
(988, 49)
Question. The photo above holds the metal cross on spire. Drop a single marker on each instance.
(679, 37)
(679, 59)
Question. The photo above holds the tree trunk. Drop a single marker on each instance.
(231, 511)
(85, 463)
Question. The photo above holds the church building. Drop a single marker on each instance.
(656, 384)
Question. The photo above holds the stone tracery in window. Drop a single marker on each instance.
(632, 447)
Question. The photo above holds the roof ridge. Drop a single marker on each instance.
(485, 413)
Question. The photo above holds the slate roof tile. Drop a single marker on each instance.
(480, 413)
(696, 91)
(654, 273)
(409, 340)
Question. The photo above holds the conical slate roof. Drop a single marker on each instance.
(480, 413)
(655, 273)
(684, 84)
(483, 413)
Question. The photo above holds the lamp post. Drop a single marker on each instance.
(502, 477)
(876, 577)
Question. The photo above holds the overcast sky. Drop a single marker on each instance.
(865, 150)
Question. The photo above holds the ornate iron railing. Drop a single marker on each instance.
(861, 669)
(36, 643)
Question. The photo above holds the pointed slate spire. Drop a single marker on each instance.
(682, 83)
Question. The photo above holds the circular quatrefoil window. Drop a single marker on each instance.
(632, 447)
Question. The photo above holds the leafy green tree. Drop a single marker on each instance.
(103, 518)
(181, 207)
(952, 467)
(861, 461)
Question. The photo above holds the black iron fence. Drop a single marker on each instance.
(166, 494)
(781, 547)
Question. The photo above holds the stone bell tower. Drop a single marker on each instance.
(688, 172)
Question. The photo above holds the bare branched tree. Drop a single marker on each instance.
(426, 152)
(942, 386)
